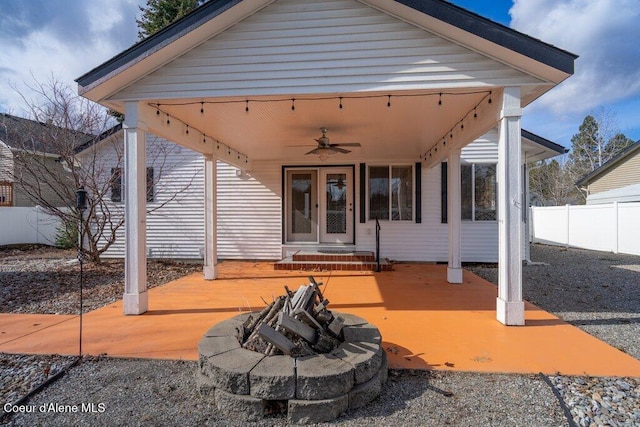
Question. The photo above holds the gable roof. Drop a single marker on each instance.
(19, 133)
(615, 160)
(453, 16)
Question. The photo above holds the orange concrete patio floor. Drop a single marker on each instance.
(425, 322)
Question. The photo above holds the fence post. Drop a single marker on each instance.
(616, 232)
(568, 224)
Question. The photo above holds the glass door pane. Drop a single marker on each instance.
(302, 206)
(336, 203)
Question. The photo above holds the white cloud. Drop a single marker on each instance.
(604, 33)
(62, 39)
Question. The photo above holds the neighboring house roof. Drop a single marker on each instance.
(443, 11)
(617, 159)
(91, 142)
(24, 134)
(630, 193)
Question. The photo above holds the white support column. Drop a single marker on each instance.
(135, 299)
(454, 214)
(526, 216)
(211, 219)
(510, 306)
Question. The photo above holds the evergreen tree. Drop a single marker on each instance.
(587, 147)
(590, 149)
(616, 144)
(157, 14)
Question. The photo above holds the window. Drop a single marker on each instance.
(478, 192)
(117, 185)
(391, 193)
(6, 193)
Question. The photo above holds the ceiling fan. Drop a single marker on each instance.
(325, 148)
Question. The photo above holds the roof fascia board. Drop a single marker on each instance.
(620, 157)
(155, 51)
(536, 139)
(504, 44)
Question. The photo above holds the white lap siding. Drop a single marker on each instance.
(175, 226)
(250, 212)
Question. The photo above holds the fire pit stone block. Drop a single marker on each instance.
(211, 346)
(365, 357)
(316, 411)
(230, 327)
(365, 333)
(361, 394)
(322, 376)
(246, 408)
(273, 378)
(352, 319)
(230, 370)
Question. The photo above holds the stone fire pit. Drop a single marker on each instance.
(250, 385)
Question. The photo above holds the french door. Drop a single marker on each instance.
(319, 205)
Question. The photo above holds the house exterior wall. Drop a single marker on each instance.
(6, 163)
(250, 211)
(175, 219)
(279, 49)
(625, 173)
(45, 173)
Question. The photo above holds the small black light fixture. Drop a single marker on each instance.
(81, 199)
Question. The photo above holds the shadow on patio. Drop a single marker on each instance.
(425, 322)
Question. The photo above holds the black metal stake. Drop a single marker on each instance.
(81, 205)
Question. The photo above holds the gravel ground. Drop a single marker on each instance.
(143, 392)
(40, 279)
(573, 286)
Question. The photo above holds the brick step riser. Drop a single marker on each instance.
(319, 266)
(334, 258)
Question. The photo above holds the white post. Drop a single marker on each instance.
(526, 217)
(210, 221)
(454, 214)
(135, 299)
(509, 304)
(568, 218)
(616, 231)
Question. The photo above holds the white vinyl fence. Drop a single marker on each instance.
(27, 225)
(613, 227)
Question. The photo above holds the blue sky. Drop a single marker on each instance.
(63, 39)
